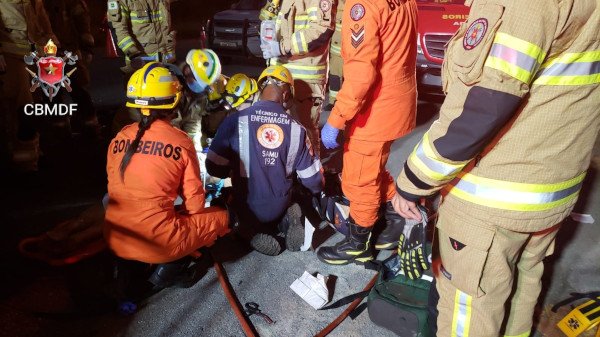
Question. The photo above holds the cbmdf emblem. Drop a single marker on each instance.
(50, 74)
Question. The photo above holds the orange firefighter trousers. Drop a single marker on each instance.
(365, 180)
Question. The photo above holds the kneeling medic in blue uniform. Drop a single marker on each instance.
(262, 148)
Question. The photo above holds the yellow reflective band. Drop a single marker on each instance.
(434, 167)
(509, 69)
(304, 44)
(515, 196)
(295, 45)
(301, 17)
(590, 56)
(335, 50)
(571, 69)
(301, 24)
(568, 80)
(125, 43)
(525, 334)
(461, 319)
(523, 187)
(333, 94)
(292, 67)
(153, 13)
(523, 46)
(338, 27)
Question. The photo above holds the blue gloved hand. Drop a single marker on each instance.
(270, 49)
(329, 135)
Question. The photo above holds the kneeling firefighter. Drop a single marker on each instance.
(148, 165)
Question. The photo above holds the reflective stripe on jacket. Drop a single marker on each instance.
(304, 29)
(142, 26)
(263, 147)
(523, 100)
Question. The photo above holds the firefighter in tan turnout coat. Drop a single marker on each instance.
(511, 149)
(301, 44)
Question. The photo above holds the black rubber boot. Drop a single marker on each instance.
(177, 273)
(266, 244)
(394, 224)
(293, 228)
(354, 248)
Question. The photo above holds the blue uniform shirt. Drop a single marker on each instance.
(262, 147)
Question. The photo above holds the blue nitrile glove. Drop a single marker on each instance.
(329, 135)
(270, 49)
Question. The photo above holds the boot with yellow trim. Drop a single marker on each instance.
(354, 248)
(394, 224)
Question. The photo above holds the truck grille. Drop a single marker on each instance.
(228, 29)
(435, 44)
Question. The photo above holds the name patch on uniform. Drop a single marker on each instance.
(113, 5)
(358, 35)
(149, 147)
(325, 5)
(270, 136)
(357, 12)
(475, 33)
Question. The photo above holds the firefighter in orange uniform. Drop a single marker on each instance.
(375, 106)
(148, 165)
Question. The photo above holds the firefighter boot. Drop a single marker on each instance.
(354, 248)
(182, 273)
(394, 224)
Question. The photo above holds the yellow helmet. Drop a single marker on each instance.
(239, 88)
(279, 73)
(153, 87)
(217, 89)
(205, 66)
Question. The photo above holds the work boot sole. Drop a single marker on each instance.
(294, 237)
(265, 244)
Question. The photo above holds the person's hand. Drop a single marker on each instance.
(2, 64)
(411, 246)
(406, 209)
(137, 62)
(329, 136)
(270, 49)
(170, 58)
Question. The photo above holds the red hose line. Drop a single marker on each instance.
(346, 312)
(233, 301)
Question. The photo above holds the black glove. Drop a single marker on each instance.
(137, 61)
(411, 247)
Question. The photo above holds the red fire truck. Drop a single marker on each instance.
(438, 21)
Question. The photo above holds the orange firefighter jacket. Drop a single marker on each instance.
(379, 48)
(141, 222)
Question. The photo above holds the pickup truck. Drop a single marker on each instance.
(438, 21)
(236, 31)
